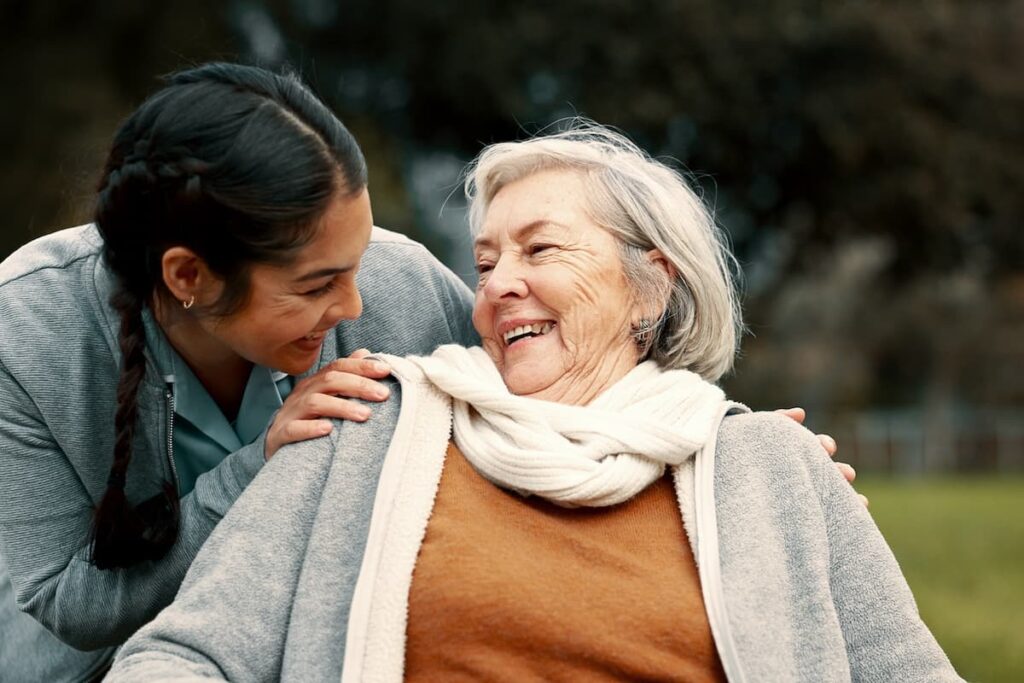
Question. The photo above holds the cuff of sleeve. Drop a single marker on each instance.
(217, 490)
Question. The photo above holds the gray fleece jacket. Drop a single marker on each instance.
(59, 361)
(307, 578)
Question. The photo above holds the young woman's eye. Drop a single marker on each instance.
(320, 291)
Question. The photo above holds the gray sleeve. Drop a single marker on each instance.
(459, 304)
(217, 490)
(230, 618)
(412, 303)
(886, 640)
(268, 596)
(45, 513)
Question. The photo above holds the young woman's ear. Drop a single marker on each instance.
(188, 278)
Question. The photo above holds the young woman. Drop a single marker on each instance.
(152, 362)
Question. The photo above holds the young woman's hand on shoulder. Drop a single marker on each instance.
(327, 394)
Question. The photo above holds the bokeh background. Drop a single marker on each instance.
(866, 158)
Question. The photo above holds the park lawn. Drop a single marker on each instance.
(960, 542)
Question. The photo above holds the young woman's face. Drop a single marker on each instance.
(291, 308)
(552, 305)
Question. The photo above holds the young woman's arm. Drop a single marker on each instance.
(243, 612)
(45, 512)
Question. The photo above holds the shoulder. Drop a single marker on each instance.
(397, 260)
(53, 280)
(769, 470)
(764, 428)
(352, 451)
(56, 251)
(412, 303)
(389, 245)
(53, 301)
(769, 440)
(381, 235)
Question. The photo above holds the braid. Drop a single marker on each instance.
(123, 535)
(132, 341)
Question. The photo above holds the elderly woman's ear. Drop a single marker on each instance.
(658, 259)
(653, 310)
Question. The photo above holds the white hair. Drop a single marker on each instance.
(645, 205)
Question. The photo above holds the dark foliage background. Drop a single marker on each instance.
(866, 157)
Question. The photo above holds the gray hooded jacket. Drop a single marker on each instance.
(59, 361)
(307, 578)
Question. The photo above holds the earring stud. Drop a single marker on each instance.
(643, 330)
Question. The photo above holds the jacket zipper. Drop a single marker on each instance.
(169, 397)
(709, 564)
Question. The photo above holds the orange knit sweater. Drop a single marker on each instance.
(517, 589)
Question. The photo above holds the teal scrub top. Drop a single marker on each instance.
(202, 435)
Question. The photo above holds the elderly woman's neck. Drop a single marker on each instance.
(586, 382)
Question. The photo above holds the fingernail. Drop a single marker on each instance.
(381, 392)
(831, 442)
(380, 367)
(325, 427)
(363, 412)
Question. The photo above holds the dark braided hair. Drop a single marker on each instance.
(237, 164)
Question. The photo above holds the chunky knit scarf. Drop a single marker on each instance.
(600, 454)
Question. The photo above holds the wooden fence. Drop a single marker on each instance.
(911, 443)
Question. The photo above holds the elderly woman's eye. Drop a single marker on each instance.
(535, 249)
(482, 268)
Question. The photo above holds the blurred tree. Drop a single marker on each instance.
(866, 157)
(70, 71)
(822, 120)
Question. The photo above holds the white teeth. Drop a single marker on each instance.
(536, 328)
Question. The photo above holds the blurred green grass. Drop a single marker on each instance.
(960, 542)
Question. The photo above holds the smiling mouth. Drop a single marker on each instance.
(527, 331)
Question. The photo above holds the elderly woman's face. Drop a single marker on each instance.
(552, 306)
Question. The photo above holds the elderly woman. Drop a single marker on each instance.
(576, 500)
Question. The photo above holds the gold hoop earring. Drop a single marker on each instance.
(188, 304)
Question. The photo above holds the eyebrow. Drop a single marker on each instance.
(519, 233)
(323, 272)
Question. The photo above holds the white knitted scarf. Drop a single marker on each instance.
(600, 454)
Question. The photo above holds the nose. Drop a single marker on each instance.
(505, 279)
(347, 306)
